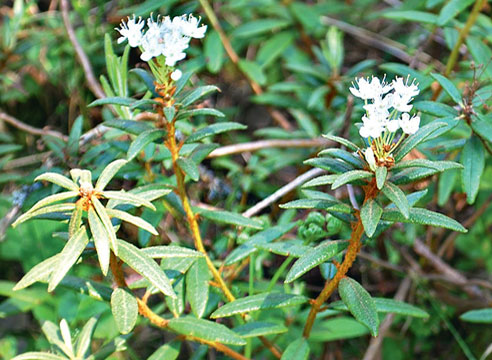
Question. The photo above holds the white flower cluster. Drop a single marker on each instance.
(163, 36)
(378, 118)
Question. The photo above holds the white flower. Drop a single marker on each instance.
(409, 125)
(176, 75)
(405, 90)
(393, 125)
(370, 158)
(190, 27)
(370, 90)
(380, 106)
(371, 128)
(131, 31)
(401, 103)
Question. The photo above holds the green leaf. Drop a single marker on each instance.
(255, 329)
(320, 204)
(350, 145)
(297, 350)
(198, 93)
(262, 237)
(449, 87)
(481, 52)
(413, 140)
(445, 186)
(214, 129)
(482, 126)
(53, 198)
(61, 208)
(84, 338)
(394, 193)
(411, 15)
(350, 177)
(381, 172)
(40, 272)
(404, 70)
(336, 329)
(335, 166)
(253, 71)
(171, 251)
(38, 356)
(68, 256)
(185, 114)
(321, 180)
(257, 27)
(273, 47)
(360, 303)
(473, 160)
(370, 213)
(169, 351)
(124, 307)
(227, 217)
(142, 140)
(436, 108)
(115, 100)
(75, 132)
(135, 220)
(314, 257)
(344, 155)
(129, 126)
(293, 248)
(205, 329)
(59, 180)
(189, 167)
(197, 279)
(451, 9)
(424, 217)
(103, 215)
(101, 240)
(478, 316)
(384, 305)
(145, 266)
(213, 51)
(436, 165)
(258, 302)
(108, 173)
(124, 197)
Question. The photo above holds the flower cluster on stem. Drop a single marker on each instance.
(387, 107)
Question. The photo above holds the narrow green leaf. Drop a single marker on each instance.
(205, 329)
(103, 215)
(189, 167)
(451, 9)
(227, 217)
(213, 51)
(293, 248)
(130, 126)
(411, 15)
(198, 93)
(116, 100)
(145, 266)
(75, 132)
(482, 125)
(481, 52)
(473, 160)
(448, 86)
(108, 173)
(394, 193)
(185, 114)
(478, 316)
(297, 350)
(256, 328)
(273, 47)
(59, 180)
(84, 338)
(258, 302)
(381, 172)
(344, 155)
(124, 197)
(445, 186)
(424, 217)
(214, 129)
(169, 351)
(171, 251)
(321, 180)
(40, 272)
(142, 140)
(257, 27)
(436, 108)
(360, 303)
(197, 279)
(335, 166)
(68, 256)
(339, 328)
(135, 220)
(350, 145)
(314, 257)
(61, 208)
(38, 356)
(54, 198)
(75, 220)
(101, 240)
(253, 71)
(124, 307)
(384, 305)
(53, 335)
(370, 213)
(413, 140)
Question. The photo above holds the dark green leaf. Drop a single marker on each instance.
(413, 140)
(213, 51)
(350, 145)
(393, 193)
(411, 15)
(121, 101)
(227, 217)
(142, 140)
(436, 108)
(129, 126)
(214, 129)
(197, 279)
(370, 213)
(424, 217)
(314, 257)
(335, 166)
(360, 303)
(169, 351)
(255, 329)
(189, 168)
(451, 9)
(297, 350)
(125, 310)
(448, 86)
(473, 160)
(253, 71)
(381, 172)
(198, 93)
(344, 155)
(272, 48)
(259, 27)
(478, 316)
(384, 305)
(320, 204)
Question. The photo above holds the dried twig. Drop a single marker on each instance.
(30, 129)
(282, 191)
(83, 59)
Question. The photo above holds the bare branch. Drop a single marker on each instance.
(30, 129)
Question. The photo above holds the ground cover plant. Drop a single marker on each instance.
(245, 180)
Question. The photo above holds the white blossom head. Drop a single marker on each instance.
(408, 124)
(371, 128)
(131, 31)
(176, 75)
(370, 90)
(404, 89)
